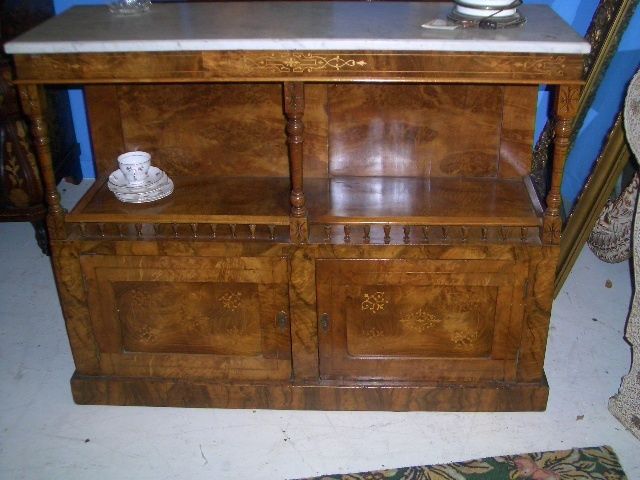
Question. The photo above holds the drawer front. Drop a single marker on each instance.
(210, 318)
(426, 320)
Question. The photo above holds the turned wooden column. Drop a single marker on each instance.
(33, 103)
(294, 109)
(565, 108)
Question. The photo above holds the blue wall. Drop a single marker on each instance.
(602, 113)
(589, 140)
(77, 101)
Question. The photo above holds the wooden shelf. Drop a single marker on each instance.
(418, 201)
(338, 200)
(261, 200)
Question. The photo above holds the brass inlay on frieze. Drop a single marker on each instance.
(302, 62)
(550, 66)
(231, 300)
(374, 302)
(420, 321)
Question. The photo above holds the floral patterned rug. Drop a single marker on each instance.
(596, 463)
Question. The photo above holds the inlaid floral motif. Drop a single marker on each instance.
(568, 98)
(419, 321)
(373, 333)
(145, 334)
(553, 66)
(17, 195)
(552, 230)
(303, 62)
(464, 338)
(231, 300)
(235, 331)
(299, 230)
(374, 302)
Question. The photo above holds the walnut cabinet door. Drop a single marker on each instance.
(190, 317)
(420, 320)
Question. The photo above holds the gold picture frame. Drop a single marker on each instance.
(592, 199)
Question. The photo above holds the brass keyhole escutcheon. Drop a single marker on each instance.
(324, 322)
(282, 320)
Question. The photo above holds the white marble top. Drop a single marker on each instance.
(290, 26)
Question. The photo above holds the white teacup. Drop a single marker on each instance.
(135, 166)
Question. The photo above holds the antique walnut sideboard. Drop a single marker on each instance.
(352, 226)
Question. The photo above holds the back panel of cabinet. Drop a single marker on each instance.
(431, 130)
(350, 129)
(204, 130)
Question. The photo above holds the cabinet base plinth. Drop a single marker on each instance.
(155, 392)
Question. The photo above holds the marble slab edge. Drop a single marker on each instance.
(35, 48)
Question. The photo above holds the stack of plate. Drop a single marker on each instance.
(157, 185)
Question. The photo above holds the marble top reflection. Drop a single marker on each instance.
(376, 26)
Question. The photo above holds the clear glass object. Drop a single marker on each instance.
(129, 7)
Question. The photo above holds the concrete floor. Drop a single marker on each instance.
(44, 435)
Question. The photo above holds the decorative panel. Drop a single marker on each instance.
(418, 321)
(421, 320)
(214, 318)
(190, 317)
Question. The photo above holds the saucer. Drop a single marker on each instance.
(118, 180)
(141, 189)
(151, 196)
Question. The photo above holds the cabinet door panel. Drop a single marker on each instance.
(203, 317)
(420, 320)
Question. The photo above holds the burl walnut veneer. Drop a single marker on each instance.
(352, 227)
